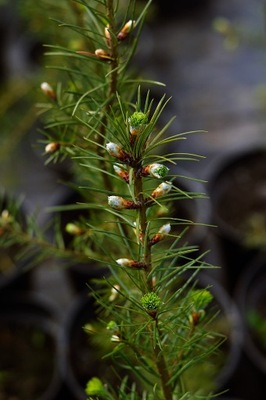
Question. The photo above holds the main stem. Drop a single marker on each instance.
(147, 259)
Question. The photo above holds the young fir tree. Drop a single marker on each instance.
(105, 121)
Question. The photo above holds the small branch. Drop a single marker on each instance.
(113, 79)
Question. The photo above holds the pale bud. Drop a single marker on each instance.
(48, 90)
(126, 262)
(5, 216)
(116, 151)
(163, 231)
(114, 293)
(103, 55)
(119, 203)
(163, 189)
(107, 35)
(51, 147)
(74, 229)
(122, 173)
(115, 339)
(127, 28)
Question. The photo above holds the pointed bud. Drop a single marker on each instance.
(127, 28)
(74, 229)
(126, 262)
(119, 203)
(52, 147)
(163, 231)
(155, 170)
(107, 35)
(138, 232)
(115, 339)
(116, 151)
(48, 90)
(196, 317)
(122, 173)
(114, 293)
(163, 189)
(103, 55)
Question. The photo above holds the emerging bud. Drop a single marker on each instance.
(126, 262)
(163, 231)
(113, 327)
(52, 147)
(119, 203)
(48, 90)
(74, 229)
(114, 293)
(95, 387)
(116, 151)
(163, 189)
(127, 28)
(103, 55)
(137, 122)
(151, 302)
(122, 173)
(200, 298)
(155, 170)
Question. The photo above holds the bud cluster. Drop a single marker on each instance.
(151, 303)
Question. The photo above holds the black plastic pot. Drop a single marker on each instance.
(251, 297)
(29, 349)
(237, 191)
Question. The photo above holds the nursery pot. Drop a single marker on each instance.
(251, 297)
(237, 190)
(29, 349)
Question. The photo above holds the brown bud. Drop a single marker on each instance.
(52, 147)
(48, 90)
(103, 55)
(127, 28)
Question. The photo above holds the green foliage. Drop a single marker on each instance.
(105, 122)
